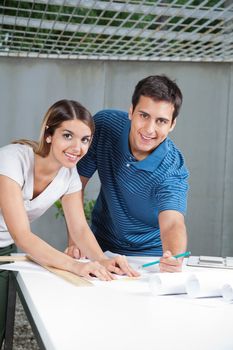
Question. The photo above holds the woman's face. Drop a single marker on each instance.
(69, 143)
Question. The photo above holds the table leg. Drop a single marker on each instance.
(30, 317)
(10, 318)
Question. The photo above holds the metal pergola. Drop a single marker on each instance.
(164, 30)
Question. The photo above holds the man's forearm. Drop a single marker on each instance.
(174, 240)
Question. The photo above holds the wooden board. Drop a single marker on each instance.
(12, 258)
(66, 275)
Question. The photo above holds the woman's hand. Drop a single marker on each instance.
(119, 265)
(92, 269)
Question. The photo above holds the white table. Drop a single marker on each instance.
(123, 316)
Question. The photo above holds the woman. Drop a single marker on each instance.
(33, 176)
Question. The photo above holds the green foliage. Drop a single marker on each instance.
(88, 207)
(59, 209)
(53, 40)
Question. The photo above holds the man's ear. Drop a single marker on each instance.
(173, 125)
(130, 112)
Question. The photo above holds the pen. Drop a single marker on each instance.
(174, 256)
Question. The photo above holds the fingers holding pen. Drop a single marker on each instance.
(169, 263)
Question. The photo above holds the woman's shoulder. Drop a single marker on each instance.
(68, 173)
(16, 160)
(69, 180)
(16, 147)
(16, 151)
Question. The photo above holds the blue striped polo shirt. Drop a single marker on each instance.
(133, 193)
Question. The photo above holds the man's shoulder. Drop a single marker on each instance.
(110, 117)
(172, 147)
(175, 159)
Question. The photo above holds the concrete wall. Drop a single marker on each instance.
(203, 132)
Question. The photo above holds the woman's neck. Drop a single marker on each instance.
(44, 173)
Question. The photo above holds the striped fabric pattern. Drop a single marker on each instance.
(125, 217)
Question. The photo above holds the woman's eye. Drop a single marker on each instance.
(85, 140)
(67, 136)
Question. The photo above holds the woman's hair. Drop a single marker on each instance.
(58, 113)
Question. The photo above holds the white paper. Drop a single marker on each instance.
(168, 283)
(227, 291)
(25, 266)
(125, 285)
(195, 284)
(136, 262)
(207, 284)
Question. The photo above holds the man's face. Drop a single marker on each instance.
(151, 122)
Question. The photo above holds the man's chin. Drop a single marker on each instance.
(148, 148)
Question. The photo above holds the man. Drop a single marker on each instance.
(142, 201)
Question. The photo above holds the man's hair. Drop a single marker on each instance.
(159, 88)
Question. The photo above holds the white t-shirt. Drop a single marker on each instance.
(17, 162)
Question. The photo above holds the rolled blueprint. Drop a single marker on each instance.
(206, 284)
(168, 283)
(227, 291)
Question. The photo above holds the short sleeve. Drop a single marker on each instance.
(75, 184)
(172, 195)
(88, 164)
(11, 163)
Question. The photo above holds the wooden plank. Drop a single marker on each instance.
(12, 258)
(70, 277)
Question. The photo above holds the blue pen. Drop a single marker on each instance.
(175, 256)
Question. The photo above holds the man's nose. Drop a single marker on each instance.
(150, 126)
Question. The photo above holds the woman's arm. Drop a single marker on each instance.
(15, 217)
(80, 233)
(83, 238)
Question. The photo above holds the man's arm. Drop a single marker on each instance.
(84, 181)
(174, 239)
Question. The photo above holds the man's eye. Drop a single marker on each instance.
(162, 121)
(144, 115)
(67, 136)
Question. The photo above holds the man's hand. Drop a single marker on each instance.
(74, 252)
(170, 264)
(119, 265)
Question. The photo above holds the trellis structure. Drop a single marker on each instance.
(164, 30)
